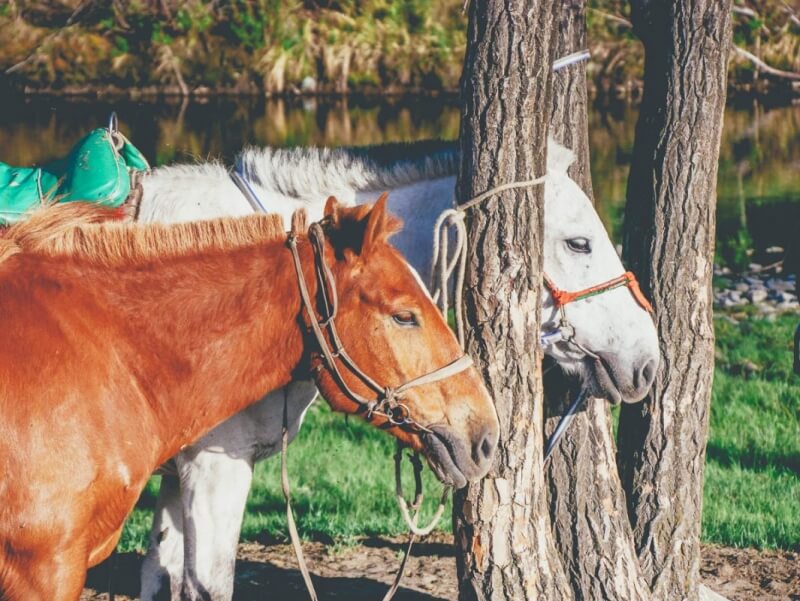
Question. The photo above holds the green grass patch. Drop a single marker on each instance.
(752, 488)
(343, 482)
(745, 507)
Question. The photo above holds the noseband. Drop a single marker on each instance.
(388, 401)
(561, 298)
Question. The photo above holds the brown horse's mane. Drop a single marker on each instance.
(96, 234)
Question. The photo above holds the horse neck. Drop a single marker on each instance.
(220, 332)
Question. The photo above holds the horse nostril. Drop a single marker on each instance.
(484, 449)
(646, 375)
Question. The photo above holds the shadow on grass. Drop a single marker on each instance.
(754, 460)
(254, 581)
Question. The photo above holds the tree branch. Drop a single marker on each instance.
(611, 17)
(742, 10)
(745, 11)
(764, 67)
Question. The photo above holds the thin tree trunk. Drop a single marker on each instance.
(587, 504)
(669, 242)
(569, 113)
(502, 524)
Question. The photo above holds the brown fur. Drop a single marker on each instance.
(121, 343)
(90, 232)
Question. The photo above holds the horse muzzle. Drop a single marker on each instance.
(455, 462)
(617, 383)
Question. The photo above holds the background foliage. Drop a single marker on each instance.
(344, 45)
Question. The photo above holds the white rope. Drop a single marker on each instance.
(445, 264)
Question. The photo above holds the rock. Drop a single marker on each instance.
(756, 295)
(741, 286)
(730, 299)
(788, 306)
(786, 297)
(308, 85)
(755, 267)
(780, 285)
(752, 280)
(775, 249)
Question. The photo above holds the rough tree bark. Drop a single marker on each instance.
(669, 242)
(502, 524)
(587, 503)
(569, 112)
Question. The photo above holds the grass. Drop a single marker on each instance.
(752, 491)
(343, 479)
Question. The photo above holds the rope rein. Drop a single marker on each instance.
(387, 403)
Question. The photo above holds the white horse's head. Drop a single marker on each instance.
(614, 348)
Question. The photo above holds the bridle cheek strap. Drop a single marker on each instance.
(387, 403)
(627, 279)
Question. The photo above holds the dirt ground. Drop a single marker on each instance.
(362, 572)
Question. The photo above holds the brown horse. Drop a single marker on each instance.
(106, 327)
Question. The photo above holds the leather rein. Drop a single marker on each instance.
(386, 404)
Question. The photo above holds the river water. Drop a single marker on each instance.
(759, 177)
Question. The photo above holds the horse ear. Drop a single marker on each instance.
(378, 223)
(332, 210)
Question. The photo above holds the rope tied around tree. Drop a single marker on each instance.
(444, 265)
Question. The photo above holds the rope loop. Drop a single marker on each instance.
(411, 521)
(445, 263)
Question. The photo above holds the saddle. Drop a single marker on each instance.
(99, 168)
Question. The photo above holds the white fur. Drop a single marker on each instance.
(194, 536)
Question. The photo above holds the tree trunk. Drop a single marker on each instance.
(669, 242)
(502, 524)
(569, 113)
(587, 504)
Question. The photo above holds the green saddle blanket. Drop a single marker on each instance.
(97, 169)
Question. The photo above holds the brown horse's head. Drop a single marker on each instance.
(393, 331)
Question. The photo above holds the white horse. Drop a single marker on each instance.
(615, 350)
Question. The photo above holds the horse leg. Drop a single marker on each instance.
(214, 489)
(162, 569)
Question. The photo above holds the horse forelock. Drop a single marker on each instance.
(559, 158)
(94, 233)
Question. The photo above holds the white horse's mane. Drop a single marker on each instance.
(304, 172)
(313, 173)
(317, 172)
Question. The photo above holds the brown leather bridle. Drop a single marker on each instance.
(388, 400)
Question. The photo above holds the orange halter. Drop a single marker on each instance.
(562, 297)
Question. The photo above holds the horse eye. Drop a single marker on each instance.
(406, 319)
(579, 245)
